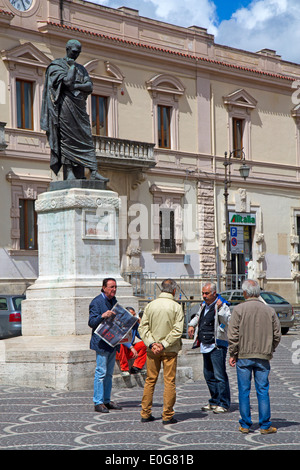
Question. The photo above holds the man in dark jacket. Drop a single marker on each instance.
(99, 310)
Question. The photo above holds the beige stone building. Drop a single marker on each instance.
(167, 103)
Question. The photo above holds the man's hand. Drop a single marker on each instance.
(232, 361)
(70, 61)
(191, 331)
(157, 348)
(107, 314)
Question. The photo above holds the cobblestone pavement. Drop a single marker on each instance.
(60, 420)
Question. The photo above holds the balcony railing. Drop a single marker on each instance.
(124, 152)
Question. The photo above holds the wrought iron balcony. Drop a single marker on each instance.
(124, 153)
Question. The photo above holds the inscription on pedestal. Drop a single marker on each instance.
(99, 224)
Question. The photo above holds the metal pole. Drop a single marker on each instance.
(227, 163)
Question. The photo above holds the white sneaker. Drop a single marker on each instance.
(125, 373)
(220, 409)
(208, 407)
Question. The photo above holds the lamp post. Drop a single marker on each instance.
(244, 172)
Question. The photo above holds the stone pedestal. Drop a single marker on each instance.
(78, 248)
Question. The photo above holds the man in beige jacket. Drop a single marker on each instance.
(161, 330)
(253, 335)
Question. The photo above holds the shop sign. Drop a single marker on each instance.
(242, 218)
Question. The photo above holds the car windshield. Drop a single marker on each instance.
(232, 295)
(271, 298)
(226, 295)
(17, 302)
(237, 296)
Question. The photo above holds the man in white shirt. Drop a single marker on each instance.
(211, 335)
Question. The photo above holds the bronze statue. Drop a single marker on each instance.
(64, 116)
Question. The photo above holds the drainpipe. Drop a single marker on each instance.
(61, 9)
(213, 151)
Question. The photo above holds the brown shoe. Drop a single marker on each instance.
(270, 430)
(112, 405)
(244, 430)
(101, 408)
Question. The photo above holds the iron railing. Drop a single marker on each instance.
(146, 285)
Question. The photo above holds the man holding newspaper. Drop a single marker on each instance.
(110, 324)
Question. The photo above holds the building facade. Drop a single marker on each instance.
(167, 103)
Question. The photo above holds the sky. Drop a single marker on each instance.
(250, 25)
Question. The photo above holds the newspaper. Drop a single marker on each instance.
(117, 328)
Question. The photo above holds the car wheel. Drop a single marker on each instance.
(284, 330)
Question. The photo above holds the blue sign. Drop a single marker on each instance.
(237, 239)
(233, 231)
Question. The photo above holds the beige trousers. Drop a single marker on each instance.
(154, 361)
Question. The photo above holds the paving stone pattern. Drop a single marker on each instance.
(32, 419)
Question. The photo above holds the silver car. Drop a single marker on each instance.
(281, 306)
(10, 315)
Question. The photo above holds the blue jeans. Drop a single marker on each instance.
(214, 371)
(105, 362)
(261, 370)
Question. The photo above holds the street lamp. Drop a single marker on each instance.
(244, 172)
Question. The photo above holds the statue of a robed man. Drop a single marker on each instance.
(64, 116)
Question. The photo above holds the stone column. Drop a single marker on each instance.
(206, 215)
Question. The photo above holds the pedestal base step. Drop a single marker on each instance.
(63, 363)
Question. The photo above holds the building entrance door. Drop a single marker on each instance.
(239, 261)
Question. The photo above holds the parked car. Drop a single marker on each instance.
(282, 307)
(10, 315)
(234, 296)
